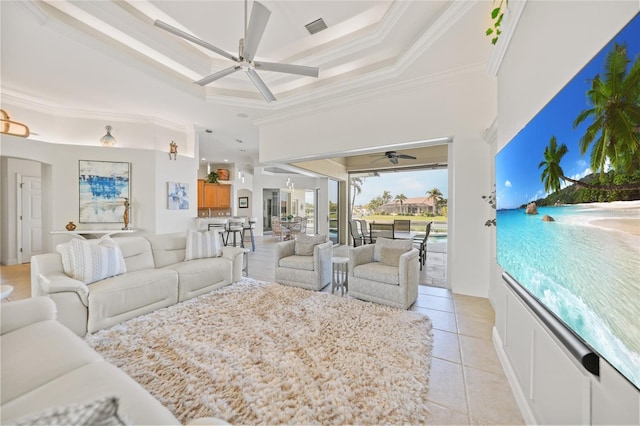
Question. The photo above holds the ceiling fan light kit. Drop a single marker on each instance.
(247, 48)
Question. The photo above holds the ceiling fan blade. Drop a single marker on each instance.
(408, 157)
(287, 68)
(218, 75)
(262, 88)
(257, 23)
(158, 23)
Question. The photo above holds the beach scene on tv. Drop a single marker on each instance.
(568, 204)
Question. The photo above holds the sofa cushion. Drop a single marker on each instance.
(95, 262)
(103, 411)
(199, 274)
(297, 262)
(126, 296)
(391, 256)
(88, 382)
(305, 244)
(203, 244)
(377, 271)
(168, 249)
(386, 242)
(136, 252)
(37, 354)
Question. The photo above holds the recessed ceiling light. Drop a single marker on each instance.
(203, 159)
(243, 150)
(239, 140)
(243, 115)
(209, 131)
(226, 160)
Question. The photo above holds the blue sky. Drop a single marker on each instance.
(517, 174)
(411, 184)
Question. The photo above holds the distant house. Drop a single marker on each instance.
(412, 206)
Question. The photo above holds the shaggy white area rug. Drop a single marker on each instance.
(257, 352)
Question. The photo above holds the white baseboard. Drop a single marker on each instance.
(518, 393)
(9, 262)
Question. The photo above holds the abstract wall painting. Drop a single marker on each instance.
(178, 196)
(103, 187)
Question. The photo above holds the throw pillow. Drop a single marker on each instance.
(91, 262)
(201, 245)
(305, 244)
(64, 250)
(102, 411)
(386, 242)
(391, 256)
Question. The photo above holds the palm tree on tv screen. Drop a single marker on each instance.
(615, 100)
(552, 172)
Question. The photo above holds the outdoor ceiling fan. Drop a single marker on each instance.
(393, 157)
(246, 52)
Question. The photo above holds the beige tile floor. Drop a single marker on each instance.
(467, 384)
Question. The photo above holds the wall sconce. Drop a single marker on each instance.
(173, 150)
(13, 128)
(108, 140)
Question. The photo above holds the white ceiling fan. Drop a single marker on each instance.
(246, 52)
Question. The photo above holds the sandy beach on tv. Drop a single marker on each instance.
(628, 221)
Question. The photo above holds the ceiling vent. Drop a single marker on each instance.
(316, 26)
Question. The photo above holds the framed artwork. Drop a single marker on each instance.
(103, 188)
(177, 196)
(243, 202)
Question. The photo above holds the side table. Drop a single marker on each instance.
(245, 261)
(340, 274)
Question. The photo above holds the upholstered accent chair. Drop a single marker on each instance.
(385, 272)
(304, 262)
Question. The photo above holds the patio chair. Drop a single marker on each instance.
(356, 233)
(421, 245)
(364, 231)
(380, 230)
(402, 225)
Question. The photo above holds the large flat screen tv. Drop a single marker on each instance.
(568, 204)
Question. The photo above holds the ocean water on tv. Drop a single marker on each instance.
(586, 275)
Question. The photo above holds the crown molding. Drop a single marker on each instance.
(375, 91)
(511, 19)
(21, 100)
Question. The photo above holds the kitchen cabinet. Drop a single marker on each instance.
(213, 195)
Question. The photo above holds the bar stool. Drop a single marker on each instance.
(235, 227)
(221, 225)
(250, 225)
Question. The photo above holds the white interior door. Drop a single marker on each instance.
(31, 218)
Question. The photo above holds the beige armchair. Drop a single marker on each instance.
(385, 272)
(304, 262)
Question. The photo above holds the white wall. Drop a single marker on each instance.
(552, 42)
(461, 108)
(150, 172)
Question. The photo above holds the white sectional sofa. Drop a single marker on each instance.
(157, 276)
(49, 375)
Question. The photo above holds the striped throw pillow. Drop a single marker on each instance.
(95, 262)
(201, 245)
